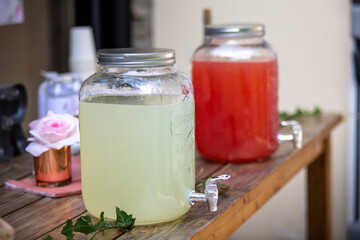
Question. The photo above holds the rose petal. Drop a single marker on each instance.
(64, 124)
(76, 133)
(66, 142)
(49, 124)
(52, 137)
(59, 134)
(38, 137)
(36, 149)
(50, 113)
(55, 130)
(77, 136)
(34, 124)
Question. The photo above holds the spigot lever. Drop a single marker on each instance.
(211, 193)
(296, 136)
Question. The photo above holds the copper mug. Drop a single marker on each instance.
(53, 168)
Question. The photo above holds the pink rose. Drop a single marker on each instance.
(53, 131)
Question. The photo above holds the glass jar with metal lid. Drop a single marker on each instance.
(235, 78)
(137, 136)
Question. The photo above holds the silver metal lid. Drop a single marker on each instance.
(136, 57)
(240, 30)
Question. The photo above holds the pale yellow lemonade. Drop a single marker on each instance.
(137, 155)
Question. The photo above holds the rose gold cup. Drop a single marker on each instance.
(53, 168)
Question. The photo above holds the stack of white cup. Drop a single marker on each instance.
(82, 54)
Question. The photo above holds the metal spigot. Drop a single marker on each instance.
(296, 136)
(211, 194)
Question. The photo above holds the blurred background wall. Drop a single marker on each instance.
(312, 39)
(39, 43)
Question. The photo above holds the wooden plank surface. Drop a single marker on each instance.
(252, 184)
(204, 168)
(11, 200)
(44, 215)
(16, 168)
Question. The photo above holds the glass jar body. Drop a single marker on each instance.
(235, 86)
(137, 142)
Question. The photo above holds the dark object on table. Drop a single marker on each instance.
(12, 111)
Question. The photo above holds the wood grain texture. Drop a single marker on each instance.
(203, 169)
(252, 184)
(16, 168)
(319, 201)
(11, 200)
(44, 215)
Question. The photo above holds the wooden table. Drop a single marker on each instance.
(252, 184)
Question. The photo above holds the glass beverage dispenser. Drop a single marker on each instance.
(137, 137)
(235, 77)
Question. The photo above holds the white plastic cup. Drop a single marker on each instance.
(82, 53)
(82, 45)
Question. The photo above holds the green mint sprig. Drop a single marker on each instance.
(48, 238)
(123, 222)
(284, 115)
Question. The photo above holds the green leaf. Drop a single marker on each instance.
(109, 224)
(317, 111)
(202, 182)
(124, 221)
(300, 113)
(306, 113)
(100, 225)
(126, 227)
(121, 216)
(68, 230)
(48, 238)
(283, 115)
(222, 187)
(84, 225)
(102, 216)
